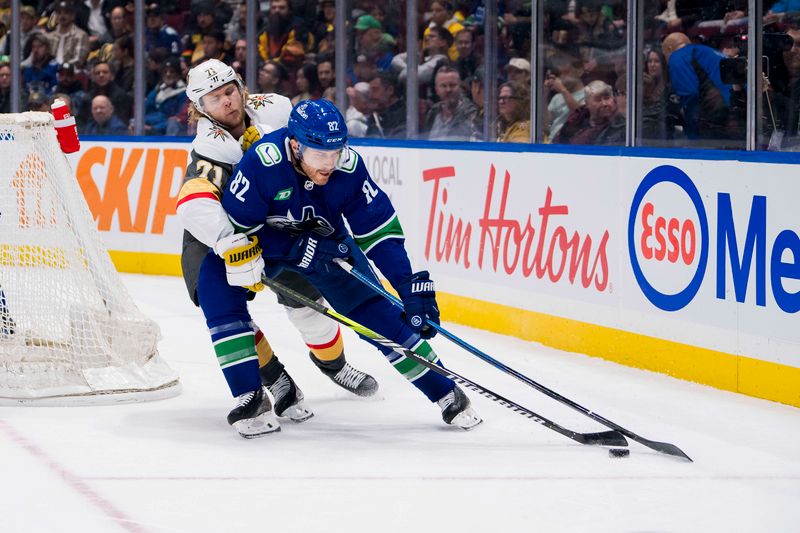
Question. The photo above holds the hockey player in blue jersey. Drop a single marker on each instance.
(291, 193)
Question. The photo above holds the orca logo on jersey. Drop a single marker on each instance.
(308, 253)
(422, 286)
(308, 222)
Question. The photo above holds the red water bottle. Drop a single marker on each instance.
(66, 130)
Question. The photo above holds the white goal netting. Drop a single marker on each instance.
(69, 331)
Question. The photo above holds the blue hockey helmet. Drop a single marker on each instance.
(318, 124)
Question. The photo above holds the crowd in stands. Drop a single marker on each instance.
(82, 50)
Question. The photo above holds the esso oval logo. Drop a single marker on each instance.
(668, 238)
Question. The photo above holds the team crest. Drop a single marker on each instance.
(216, 132)
(257, 101)
(308, 222)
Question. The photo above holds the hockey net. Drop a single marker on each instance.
(69, 331)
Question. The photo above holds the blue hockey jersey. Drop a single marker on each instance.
(269, 197)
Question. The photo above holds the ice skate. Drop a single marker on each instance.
(347, 376)
(456, 410)
(253, 417)
(289, 399)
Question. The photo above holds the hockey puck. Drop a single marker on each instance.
(618, 452)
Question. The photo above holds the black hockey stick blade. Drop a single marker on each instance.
(663, 447)
(605, 438)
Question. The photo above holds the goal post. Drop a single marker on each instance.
(69, 331)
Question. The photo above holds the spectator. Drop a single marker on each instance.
(155, 58)
(442, 16)
(271, 78)
(205, 22)
(597, 122)
(5, 87)
(324, 32)
(476, 95)
(357, 112)
(97, 21)
(434, 55)
(70, 44)
(364, 69)
(564, 90)
(514, 111)
(124, 64)
(28, 19)
(239, 63)
(119, 25)
(467, 61)
(282, 28)
(158, 34)
(71, 85)
(325, 73)
(166, 101)
(41, 71)
(388, 116)
(213, 45)
(38, 101)
(450, 119)
(104, 121)
(373, 43)
(103, 84)
(657, 122)
(519, 70)
(307, 84)
(705, 100)
(237, 27)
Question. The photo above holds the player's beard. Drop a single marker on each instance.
(232, 120)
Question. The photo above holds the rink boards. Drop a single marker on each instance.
(662, 260)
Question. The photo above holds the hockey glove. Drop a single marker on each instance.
(243, 262)
(419, 300)
(251, 136)
(317, 254)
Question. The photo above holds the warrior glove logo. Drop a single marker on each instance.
(422, 286)
(308, 254)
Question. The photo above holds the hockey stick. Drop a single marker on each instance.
(663, 447)
(604, 438)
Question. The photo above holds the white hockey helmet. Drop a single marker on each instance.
(207, 76)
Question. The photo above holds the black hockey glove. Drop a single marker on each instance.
(419, 299)
(311, 253)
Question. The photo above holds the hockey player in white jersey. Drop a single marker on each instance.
(228, 121)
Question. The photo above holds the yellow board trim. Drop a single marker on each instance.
(761, 379)
(147, 263)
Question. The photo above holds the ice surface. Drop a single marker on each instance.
(390, 465)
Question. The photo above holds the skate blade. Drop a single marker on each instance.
(252, 428)
(297, 413)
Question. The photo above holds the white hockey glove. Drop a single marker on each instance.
(243, 262)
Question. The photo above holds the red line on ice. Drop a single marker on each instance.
(72, 480)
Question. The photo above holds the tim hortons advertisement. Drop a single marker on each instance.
(698, 252)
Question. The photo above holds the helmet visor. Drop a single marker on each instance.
(321, 159)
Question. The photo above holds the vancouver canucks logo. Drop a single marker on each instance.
(216, 132)
(257, 101)
(309, 221)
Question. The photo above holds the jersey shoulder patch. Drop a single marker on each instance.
(348, 162)
(215, 143)
(268, 153)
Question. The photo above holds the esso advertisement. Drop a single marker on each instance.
(668, 238)
(744, 244)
